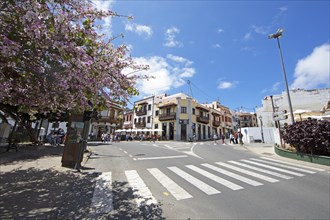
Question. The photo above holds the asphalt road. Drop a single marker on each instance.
(203, 180)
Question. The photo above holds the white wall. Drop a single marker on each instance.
(254, 133)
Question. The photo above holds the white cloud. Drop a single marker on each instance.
(266, 30)
(273, 89)
(139, 29)
(170, 38)
(179, 59)
(314, 70)
(248, 35)
(227, 85)
(168, 73)
(216, 45)
(103, 5)
(220, 30)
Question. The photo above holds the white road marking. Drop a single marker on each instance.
(285, 166)
(125, 152)
(233, 175)
(178, 192)
(293, 164)
(273, 168)
(159, 158)
(209, 190)
(141, 191)
(215, 178)
(102, 201)
(262, 170)
(263, 177)
(169, 147)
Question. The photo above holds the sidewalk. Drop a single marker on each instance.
(39, 157)
(34, 185)
(265, 149)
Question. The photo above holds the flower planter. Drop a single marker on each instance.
(302, 156)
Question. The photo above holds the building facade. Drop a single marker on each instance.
(128, 119)
(143, 113)
(225, 118)
(313, 100)
(109, 120)
(246, 119)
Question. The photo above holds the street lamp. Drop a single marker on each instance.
(277, 35)
(262, 132)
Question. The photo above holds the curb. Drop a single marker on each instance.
(323, 160)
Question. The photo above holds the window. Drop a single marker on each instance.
(183, 109)
(148, 120)
(149, 107)
(193, 111)
(156, 126)
(156, 113)
(168, 111)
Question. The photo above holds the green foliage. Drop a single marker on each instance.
(310, 136)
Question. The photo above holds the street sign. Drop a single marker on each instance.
(280, 117)
(280, 113)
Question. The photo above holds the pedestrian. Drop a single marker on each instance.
(103, 137)
(240, 137)
(223, 138)
(215, 138)
(236, 137)
(231, 138)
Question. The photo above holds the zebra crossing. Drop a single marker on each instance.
(252, 172)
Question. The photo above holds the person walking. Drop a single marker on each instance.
(240, 138)
(223, 138)
(236, 137)
(215, 138)
(231, 139)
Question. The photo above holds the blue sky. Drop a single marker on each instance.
(222, 47)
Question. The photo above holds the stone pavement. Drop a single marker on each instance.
(260, 148)
(34, 185)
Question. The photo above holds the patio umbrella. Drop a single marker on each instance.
(301, 112)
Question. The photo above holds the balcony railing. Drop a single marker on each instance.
(141, 124)
(141, 112)
(202, 119)
(167, 116)
(109, 119)
(216, 123)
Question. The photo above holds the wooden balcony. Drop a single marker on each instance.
(167, 116)
(108, 119)
(141, 124)
(216, 123)
(202, 119)
(141, 112)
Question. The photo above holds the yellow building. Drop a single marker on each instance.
(181, 118)
(222, 116)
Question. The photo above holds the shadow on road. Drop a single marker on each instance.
(29, 153)
(50, 194)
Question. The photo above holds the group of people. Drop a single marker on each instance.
(56, 137)
(106, 137)
(236, 137)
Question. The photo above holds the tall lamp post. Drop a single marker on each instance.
(277, 35)
(262, 132)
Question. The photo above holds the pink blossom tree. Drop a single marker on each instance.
(53, 58)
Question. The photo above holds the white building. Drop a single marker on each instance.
(313, 100)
